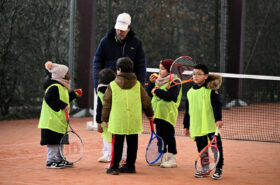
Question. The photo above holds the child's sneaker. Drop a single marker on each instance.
(55, 165)
(113, 171)
(200, 175)
(104, 159)
(67, 163)
(218, 173)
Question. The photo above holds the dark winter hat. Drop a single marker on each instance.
(167, 63)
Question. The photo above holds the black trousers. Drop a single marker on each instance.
(117, 149)
(202, 142)
(167, 132)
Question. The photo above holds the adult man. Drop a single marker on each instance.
(119, 42)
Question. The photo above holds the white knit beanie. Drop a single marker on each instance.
(58, 71)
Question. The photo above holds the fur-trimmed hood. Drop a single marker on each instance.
(214, 81)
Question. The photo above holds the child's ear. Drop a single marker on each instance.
(206, 76)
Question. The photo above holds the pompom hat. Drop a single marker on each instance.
(167, 63)
(58, 71)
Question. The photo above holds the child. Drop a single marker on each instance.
(204, 112)
(122, 113)
(52, 120)
(166, 100)
(105, 76)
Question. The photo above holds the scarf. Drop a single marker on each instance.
(162, 80)
(65, 83)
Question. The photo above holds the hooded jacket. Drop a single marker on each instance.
(110, 50)
(126, 81)
(213, 82)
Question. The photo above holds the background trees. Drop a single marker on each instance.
(32, 32)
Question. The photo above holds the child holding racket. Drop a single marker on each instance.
(166, 100)
(204, 113)
(122, 113)
(105, 76)
(52, 120)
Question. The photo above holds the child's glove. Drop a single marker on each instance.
(78, 92)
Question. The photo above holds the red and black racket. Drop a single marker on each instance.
(208, 157)
(181, 71)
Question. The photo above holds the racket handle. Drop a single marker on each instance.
(66, 115)
(152, 125)
(217, 131)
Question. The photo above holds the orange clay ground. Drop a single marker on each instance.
(22, 161)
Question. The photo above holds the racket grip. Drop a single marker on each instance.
(66, 115)
(152, 125)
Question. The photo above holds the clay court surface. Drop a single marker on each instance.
(22, 161)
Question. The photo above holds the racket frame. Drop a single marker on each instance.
(61, 145)
(213, 143)
(175, 64)
(154, 136)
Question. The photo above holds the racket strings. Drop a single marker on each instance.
(154, 150)
(72, 147)
(208, 160)
(182, 68)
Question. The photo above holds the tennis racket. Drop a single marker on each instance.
(71, 145)
(154, 149)
(208, 158)
(181, 68)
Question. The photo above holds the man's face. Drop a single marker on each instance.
(122, 34)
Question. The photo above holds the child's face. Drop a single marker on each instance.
(199, 77)
(162, 71)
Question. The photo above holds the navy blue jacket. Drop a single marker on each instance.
(109, 51)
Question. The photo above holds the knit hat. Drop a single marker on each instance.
(167, 63)
(58, 71)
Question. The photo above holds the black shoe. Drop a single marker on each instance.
(125, 169)
(67, 163)
(55, 165)
(218, 173)
(113, 171)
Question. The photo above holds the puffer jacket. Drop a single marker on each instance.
(213, 82)
(126, 81)
(109, 51)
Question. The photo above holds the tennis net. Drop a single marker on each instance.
(251, 107)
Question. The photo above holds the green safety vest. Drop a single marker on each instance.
(166, 110)
(202, 121)
(105, 134)
(51, 119)
(126, 110)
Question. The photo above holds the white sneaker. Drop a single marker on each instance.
(104, 159)
(171, 161)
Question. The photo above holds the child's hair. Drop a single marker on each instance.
(106, 75)
(125, 64)
(202, 67)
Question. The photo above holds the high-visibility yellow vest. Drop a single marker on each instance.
(105, 134)
(126, 111)
(51, 119)
(166, 110)
(202, 121)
